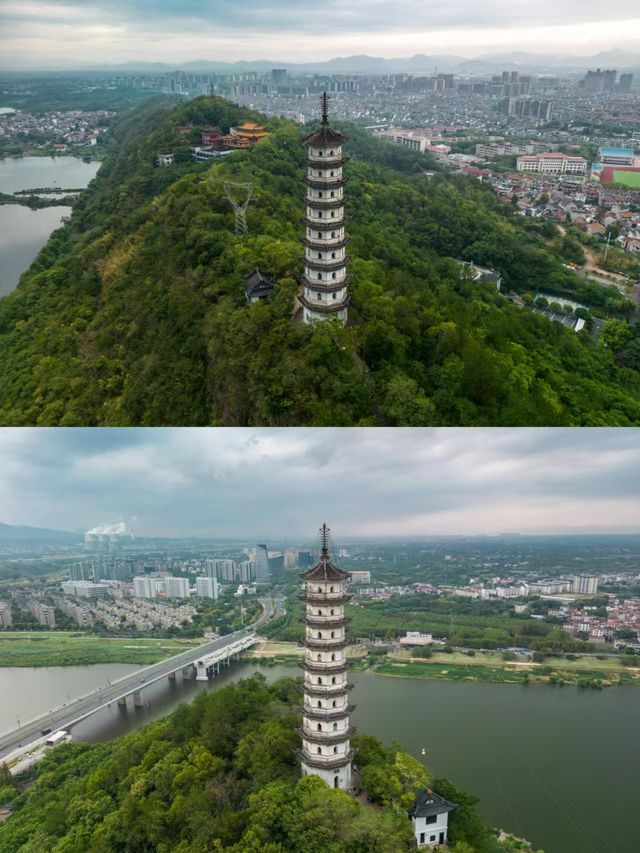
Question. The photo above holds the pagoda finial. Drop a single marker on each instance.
(324, 100)
(324, 540)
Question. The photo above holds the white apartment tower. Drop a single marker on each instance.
(325, 732)
(325, 259)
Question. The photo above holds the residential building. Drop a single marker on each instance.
(144, 586)
(207, 587)
(85, 589)
(585, 584)
(360, 576)
(165, 159)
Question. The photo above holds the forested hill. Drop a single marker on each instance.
(134, 312)
(222, 774)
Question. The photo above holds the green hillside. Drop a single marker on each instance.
(134, 312)
(222, 774)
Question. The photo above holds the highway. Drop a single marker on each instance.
(78, 709)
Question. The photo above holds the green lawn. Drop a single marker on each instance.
(626, 179)
(66, 648)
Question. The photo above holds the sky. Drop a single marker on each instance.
(258, 484)
(39, 33)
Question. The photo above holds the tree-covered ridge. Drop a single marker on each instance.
(134, 312)
(221, 774)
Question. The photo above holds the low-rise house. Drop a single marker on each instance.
(258, 287)
(430, 818)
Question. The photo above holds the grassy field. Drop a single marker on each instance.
(489, 666)
(631, 180)
(66, 648)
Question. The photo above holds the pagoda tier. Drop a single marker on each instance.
(326, 730)
(324, 284)
(330, 714)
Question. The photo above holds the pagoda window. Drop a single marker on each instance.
(319, 214)
(333, 233)
(335, 727)
(331, 589)
(333, 704)
(332, 194)
(335, 749)
(319, 704)
(319, 657)
(319, 275)
(319, 633)
(319, 193)
(333, 680)
(333, 275)
(333, 633)
(319, 727)
(333, 214)
(333, 254)
(335, 295)
(320, 237)
(332, 611)
(319, 681)
(319, 612)
(319, 295)
(333, 657)
(319, 750)
(332, 173)
(330, 153)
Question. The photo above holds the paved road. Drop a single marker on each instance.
(82, 707)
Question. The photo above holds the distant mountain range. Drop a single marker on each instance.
(22, 533)
(419, 63)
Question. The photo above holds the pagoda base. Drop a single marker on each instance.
(311, 316)
(338, 777)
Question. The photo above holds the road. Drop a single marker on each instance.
(72, 712)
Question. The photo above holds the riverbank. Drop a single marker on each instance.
(37, 202)
(67, 648)
(581, 671)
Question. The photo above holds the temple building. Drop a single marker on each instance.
(325, 259)
(325, 732)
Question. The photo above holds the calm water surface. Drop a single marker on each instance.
(557, 765)
(23, 232)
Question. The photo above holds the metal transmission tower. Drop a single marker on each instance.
(233, 192)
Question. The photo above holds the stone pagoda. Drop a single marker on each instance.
(325, 276)
(325, 732)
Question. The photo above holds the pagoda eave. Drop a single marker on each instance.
(324, 308)
(316, 761)
(319, 265)
(326, 737)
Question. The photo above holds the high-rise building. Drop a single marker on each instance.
(325, 278)
(624, 83)
(207, 587)
(245, 572)
(585, 584)
(263, 572)
(79, 572)
(175, 587)
(326, 749)
(5, 615)
(144, 586)
(278, 76)
(223, 570)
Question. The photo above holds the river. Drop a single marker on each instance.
(23, 232)
(555, 764)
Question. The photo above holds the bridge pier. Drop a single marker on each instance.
(137, 699)
(172, 676)
(187, 672)
(201, 673)
(122, 701)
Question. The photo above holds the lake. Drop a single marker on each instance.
(555, 764)
(23, 232)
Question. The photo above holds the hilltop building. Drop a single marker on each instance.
(245, 136)
(5, 615)
(430, 818)
(325, 732)
(325, 259)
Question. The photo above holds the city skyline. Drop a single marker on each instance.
(252, 483)
(63, 34)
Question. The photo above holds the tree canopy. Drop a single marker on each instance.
(134, 312)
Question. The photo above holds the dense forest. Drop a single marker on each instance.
(221, 774)
(134, 312)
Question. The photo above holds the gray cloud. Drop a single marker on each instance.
(180, 30)
(272, 482)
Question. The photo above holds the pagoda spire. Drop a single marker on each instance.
(326, 730)
(325, 280)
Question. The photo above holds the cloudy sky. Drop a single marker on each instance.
(273, 483)
(60, 32)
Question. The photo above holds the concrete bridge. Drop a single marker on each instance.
(204, 660)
